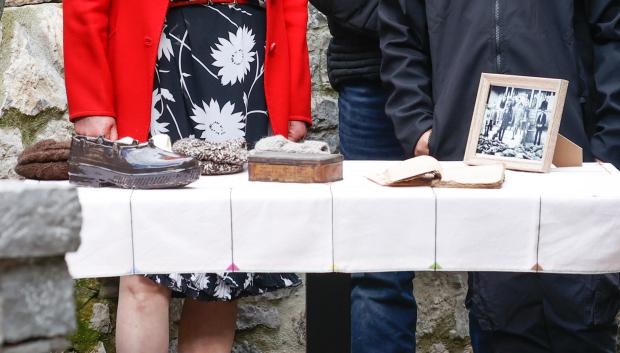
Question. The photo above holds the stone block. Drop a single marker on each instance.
(32, 59)
(12, 3)
(39, 346)
(38, 220)
(251, 316)
(10, 148)
(1, 316)
(245, 347)
(37, 299)
(100, 319)
(59, 130)
(99, 348)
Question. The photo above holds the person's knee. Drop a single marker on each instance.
(143, 292)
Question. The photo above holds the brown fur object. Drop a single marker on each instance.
(43, 156)
(44, 171)
(45, 160)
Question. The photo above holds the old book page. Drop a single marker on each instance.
(478, 177)
(427, 171)
(419, 171)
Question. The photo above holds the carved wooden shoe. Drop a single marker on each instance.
(99, 162)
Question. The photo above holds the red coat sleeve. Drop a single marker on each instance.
(296, 18)
(87, 71)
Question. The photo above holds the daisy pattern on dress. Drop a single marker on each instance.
(218, 125)
(234, 55)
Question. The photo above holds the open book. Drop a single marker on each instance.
(427, 171)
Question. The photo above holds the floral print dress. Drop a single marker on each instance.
(209, 84)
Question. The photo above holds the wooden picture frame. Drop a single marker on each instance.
(516, 122)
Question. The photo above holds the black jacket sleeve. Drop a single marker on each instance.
(604, 18)
(406, 68)
(357, 15)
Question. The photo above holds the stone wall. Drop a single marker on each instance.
(33, 107)
(38, 225)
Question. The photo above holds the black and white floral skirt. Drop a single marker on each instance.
(209, 84)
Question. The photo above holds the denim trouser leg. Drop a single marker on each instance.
(383, 309)
(383, 313)
(366, 133)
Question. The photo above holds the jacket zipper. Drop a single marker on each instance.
(498, 37)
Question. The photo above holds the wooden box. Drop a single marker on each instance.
(295, 168)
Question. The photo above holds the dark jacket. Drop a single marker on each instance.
(541, 121)
(353, 54)
(434, 52)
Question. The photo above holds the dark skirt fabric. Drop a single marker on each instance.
(209, 74)
(209, 85)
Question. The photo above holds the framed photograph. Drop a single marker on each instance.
(516, 122)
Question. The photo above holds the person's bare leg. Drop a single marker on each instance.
(142, 316)
(207, 327)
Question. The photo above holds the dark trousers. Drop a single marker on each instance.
(383, 313)
(538, 136)
(366, 133)
(543, 313)
(501, 132)
(383, 308)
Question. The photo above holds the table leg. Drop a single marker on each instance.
(328, 313)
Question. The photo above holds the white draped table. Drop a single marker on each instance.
(567, 221)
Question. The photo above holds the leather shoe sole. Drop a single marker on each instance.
(95, 176)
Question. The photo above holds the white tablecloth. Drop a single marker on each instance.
(566, 222)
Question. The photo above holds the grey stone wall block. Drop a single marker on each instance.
(12, 3)
(31, 60)
(100, 348)
(1, 326)
(58, 130)
(10, 148)
(39, 346)
(251, 316)
(100, 319)
(38, 220)
(37, 299)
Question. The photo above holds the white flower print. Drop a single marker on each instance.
(249, 281)
(201, 280)
(233, 56)
(158, 128)
(222, 289)
(176, 278)
(165, 47)
(218, 125)
(287, 282)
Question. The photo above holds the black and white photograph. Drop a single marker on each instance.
(516, 121)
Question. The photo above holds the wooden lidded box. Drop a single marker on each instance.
(295, 167)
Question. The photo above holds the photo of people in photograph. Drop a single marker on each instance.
(516, 121)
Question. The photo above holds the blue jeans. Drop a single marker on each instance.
(366, 133)
(383, 313)
(383, 308)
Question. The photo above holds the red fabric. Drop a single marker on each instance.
(111, 49)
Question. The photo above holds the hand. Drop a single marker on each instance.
(297, 130)
(95, 126)
(421, 148)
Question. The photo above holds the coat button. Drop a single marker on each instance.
(272, 48)
(148, 41)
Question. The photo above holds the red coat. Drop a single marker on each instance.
(111, 47)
